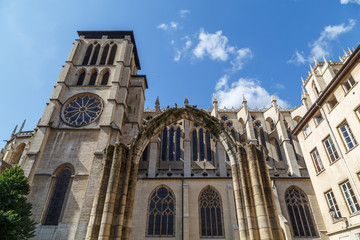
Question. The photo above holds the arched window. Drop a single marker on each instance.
(104, 55)
(201, 144)
(81, 79)
(112, 54)
(87, 54)
(208, 146)
(58, 197)
(95, 55)
(178, 147)
(278, 150)
(161, 212)
(171, 144)
(300, 213)
(164, 144)
(210, 207)
(105, 79)
(194, 144)
(93, 78)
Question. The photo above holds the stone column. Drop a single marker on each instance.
(154, 156)
(108, 211)
(186, 229)
(187, 150)
(258, 194)
(220, 153)
(241, 221)
(126, 230)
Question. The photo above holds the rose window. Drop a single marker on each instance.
(82, 109)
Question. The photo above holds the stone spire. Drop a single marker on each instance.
(244, 102)
(214, 111)
(22, 126)
(157, 105)
(273, 102)
(186, 102)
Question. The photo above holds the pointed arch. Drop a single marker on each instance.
(300, 213)
(81, 78)
(161, 212)
(87, 54)
(210, 213)
(95, 54)
(60, 188)
(105, 74)
(93, 78)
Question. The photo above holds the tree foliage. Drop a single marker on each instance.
(15, 211)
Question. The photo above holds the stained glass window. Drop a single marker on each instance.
(194, 144)
(201, 144)
(164, 144)
(210, 208)
(161, 212)
(171, 144)
(82, 109)
(178, 148)
(208, 146)
(58, 197)
(300, 213)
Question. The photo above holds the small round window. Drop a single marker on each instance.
(82, 109)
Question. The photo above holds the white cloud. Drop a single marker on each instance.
(297, 58)
(231, 96)
(350, 1)
(242, 55)
(163, 26)
(179, 52)
(214, 45)
(321, 46)
(184, 12)
(171, 26)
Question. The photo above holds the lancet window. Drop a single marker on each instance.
(57, 200)
(211, 219)
(81, 78)
(300, 213)
(93, 78)
(105, 78)
(161, 212)
(201, 145)
(92, 53)
(171, 144)
(106, 57)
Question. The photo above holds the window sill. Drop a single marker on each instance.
(317, 124)
(336, 160)
(354, 214)
(330, 111)
(317, 174)
(352, 148)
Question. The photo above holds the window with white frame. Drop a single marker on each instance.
(349, 195)
(332, 102)
(331, 150)
(307, 130)
(348, 83)
(333, 204)
(317, 161)
(358, 112)
(347, 136)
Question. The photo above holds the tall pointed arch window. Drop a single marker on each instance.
(161, 213)
(91, 54)
(105, 78)
(81, 78)
(57, 200)
(93, 78)
(201, 144)
(106, 57)
(171, 144)
(300, 213)
(211, 219)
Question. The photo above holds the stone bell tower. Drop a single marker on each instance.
(97, 100)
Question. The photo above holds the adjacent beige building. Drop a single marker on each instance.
(328, 132)
(101, 166)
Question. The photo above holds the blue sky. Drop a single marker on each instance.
(186, 48)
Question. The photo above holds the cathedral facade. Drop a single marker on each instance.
(100, 166)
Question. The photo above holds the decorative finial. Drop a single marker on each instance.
(324, 59)
(22, 126)
(303, 82)
(315, 60)
(273, 99)
(14, 130)
(215, 99)
(157, 105)
(186, 102)
(244, 99)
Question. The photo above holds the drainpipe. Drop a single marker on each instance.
(338, 147)
(182, 209)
